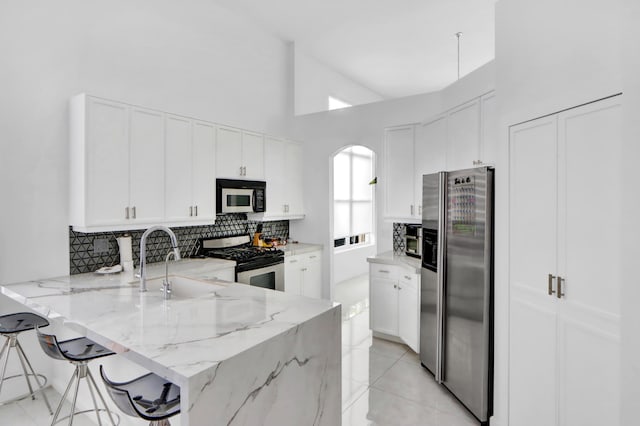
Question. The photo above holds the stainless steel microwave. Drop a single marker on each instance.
(240, 196)
(413, 240)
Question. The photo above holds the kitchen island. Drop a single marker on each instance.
(240, 354)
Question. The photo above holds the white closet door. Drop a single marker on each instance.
(463, 135)
(204, 172)
(253, 155)
(398, 152)
(533, 207)
(178, 169)
(430, 153)
(228, 153)
(589, 251)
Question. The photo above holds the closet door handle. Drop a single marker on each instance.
(551, 290)
(126, 212)
(134, 211)
(560, 292)
(190, 211)
(196, 209)
(411, 209)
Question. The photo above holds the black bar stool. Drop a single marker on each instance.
(78, 352)
(149, 397)
(10, 326)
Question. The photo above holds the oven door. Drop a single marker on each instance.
(237, 200)
(271, 277)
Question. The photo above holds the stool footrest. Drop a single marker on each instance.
(28, 394)
(100, 410)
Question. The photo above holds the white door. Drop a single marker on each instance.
(294, 176)
(430, 153)
(203, 173)
(228, 152)
(178, 173)
(293, 275)
(398, 148)
(384, 305)
(147, 166)
(533, 211)
(463, 134)
(275, 152)
(489, 142)
(313, 276)
(589, 249)
(107, 174)
(253, 155)
(409, 310)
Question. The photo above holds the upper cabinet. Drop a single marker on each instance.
(461, 138)
(283, 160)
(239, 154)
(132, 167)
(398, 162)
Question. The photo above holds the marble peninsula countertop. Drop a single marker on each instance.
(182, 339)
(391, 258)
(294, 249)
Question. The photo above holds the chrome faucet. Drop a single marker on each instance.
(143, 251)
(166, 284)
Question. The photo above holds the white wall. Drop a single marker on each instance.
(631, 249)
(315, 82)
(550, 55)
(189, 57)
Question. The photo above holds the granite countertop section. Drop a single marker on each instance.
(293, 249)
(180, 339)
(391, 258)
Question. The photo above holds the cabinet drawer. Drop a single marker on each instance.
(381, 270)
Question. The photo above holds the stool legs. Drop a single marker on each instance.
(82, 372)
(11, 341)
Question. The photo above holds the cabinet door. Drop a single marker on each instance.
(275, 152)
(312, 276)
(398, 153)
(589, 140)
(409, 310)
(228, 152)
(253, 155)
(293, 275)
(533, 209)
(430, 153)
(107, 156)
(489, 143)
(178, 173)
(463, 132)
(294, 175)
(383, 309)
(203, 172)
(147, 166)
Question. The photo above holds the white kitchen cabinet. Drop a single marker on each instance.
(239, 154)
(190, 175)
(116, 165)
(564, 293)
(430, 153)
(489, 140)
(394, 297)
(399, 171)
(463, 136)
(303, 274)
(283, 174)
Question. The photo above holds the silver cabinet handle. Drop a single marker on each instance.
(303, 269)
(312, 257)
(399, 288)
(384, 271)
(395, 286)
(190, 210)
(411, 209)
(126, 212)
(196, 209)
(408, 278)
(419, 210)
(551, 290)
(293, 261)
(560, 293)
(134, 211)
(240, 170)
(244, 170)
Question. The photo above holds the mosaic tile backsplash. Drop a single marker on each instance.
(89, 252)
(399, 234)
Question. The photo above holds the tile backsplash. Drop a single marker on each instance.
(88, 252)
(399, 233)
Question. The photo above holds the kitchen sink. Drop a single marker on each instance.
(182, 287)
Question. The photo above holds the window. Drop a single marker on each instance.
(353, 170)
(335, 103)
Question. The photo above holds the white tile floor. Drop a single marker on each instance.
(383, 382)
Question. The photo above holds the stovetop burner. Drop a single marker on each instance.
(237, 249)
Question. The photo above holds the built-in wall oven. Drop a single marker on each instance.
(256, 266)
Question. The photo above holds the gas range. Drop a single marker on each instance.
(239, 249)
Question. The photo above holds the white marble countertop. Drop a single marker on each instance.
(391, 258)
(293, 249)
(180, 339)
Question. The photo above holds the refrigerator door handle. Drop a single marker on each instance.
(551, 290)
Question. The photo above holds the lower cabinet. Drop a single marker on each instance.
(394, 297)
(303, 274)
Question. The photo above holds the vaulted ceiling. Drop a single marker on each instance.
(393, 47)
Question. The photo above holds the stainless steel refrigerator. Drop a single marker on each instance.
(456, 314)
